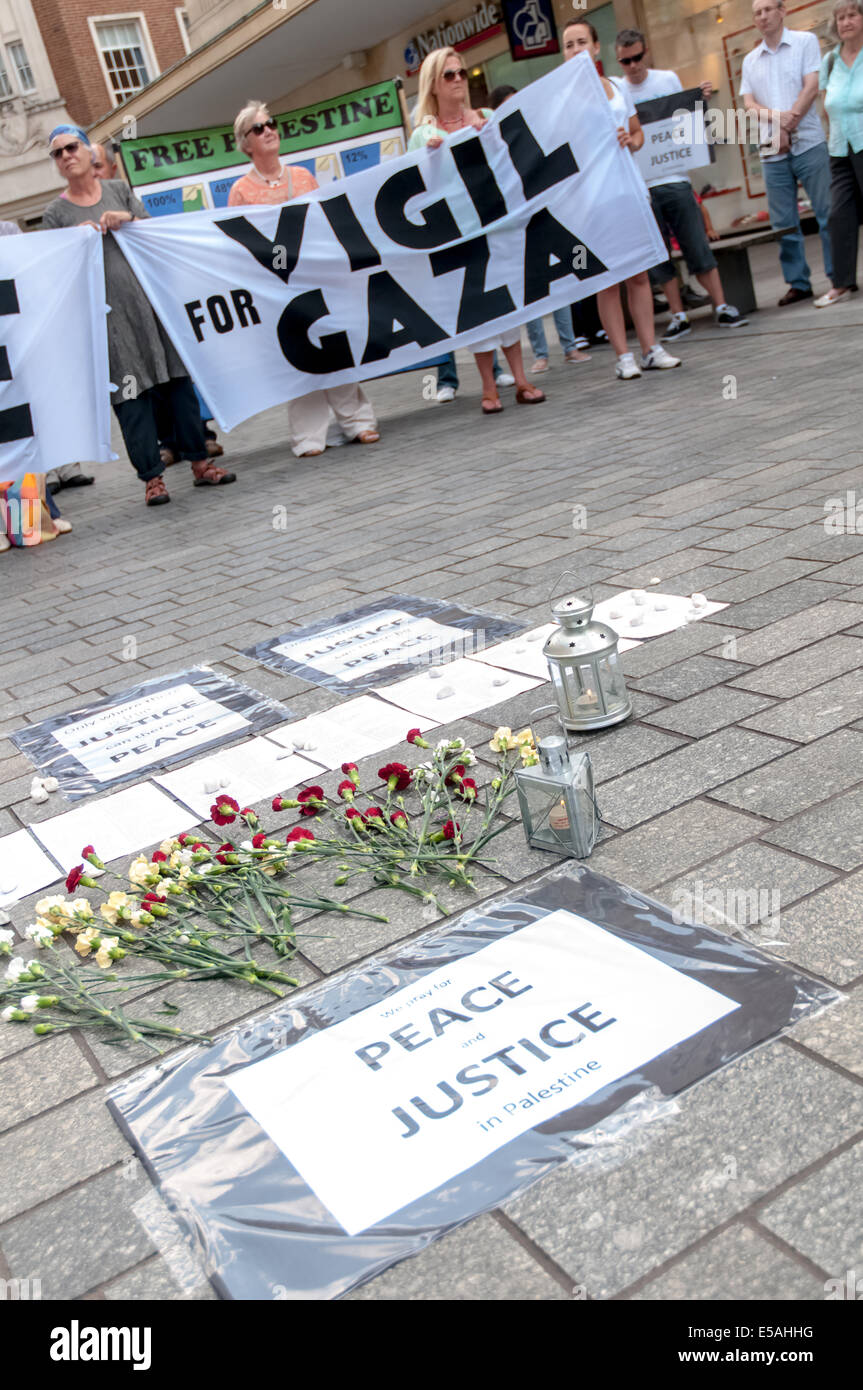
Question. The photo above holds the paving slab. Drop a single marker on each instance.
(822, 1217)
(803, 669)
(795, 781)
(738, 1135)
(748, 886)
(837, 1033)
(831, 832)
(823, 933)
(689, 677)
(481, 1261)
(672, 843)
(818, 712)
(708, 711)
(685, 773)
(738, 1265)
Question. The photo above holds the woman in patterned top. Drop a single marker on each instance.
(270, 181)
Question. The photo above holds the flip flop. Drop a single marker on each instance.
(495, 406)
(524, 399)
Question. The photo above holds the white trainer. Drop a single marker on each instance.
(658, 360)
(505, 379)
(626, 367)
(445, 393)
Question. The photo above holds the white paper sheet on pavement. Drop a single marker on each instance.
(24, 867)
(451, 692)
(121, 824)
(350, 731)
(248, 772)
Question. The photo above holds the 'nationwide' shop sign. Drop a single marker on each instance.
(482, 23)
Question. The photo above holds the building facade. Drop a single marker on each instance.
(291, 53)
(71, 61)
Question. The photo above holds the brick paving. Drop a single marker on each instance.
(740, 768)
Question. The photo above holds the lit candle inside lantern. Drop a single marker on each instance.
(558, 819)
(588, 698)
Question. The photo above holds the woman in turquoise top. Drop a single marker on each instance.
(841, 81)
(442, 110)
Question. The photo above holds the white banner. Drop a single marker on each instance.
(54, 401)
(379, 1109)
(442, 248)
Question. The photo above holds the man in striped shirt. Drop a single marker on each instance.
(780, 81)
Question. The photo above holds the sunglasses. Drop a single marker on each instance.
(452, 73)
(636, 58)
(71, 148)
(259, 127)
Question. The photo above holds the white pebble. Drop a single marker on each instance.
(639, 596)
(445, 692)
(660, 605)
(308, 745)
(50, 784)
(434, 673)
(38, 793)
(656, 579)
(211, 785)
(614, 613)
(698, 601)
(636, 620)
(501, 680)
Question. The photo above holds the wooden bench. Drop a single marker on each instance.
(731, 250)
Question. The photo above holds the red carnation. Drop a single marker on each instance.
(373, 815)
(92, 857)
(346, 790)
(249, 816)
(223, 851)
(352, 814)
(451, 829)
(186, 835)
(351, 770)
(311, 801)
(298, 833)
(87, 851)
(396, 776)
(74, 878)
(160, 857)
(153, 898)
(399, 818)
(454, 776)
(224, 811)
(259, 840)
(468, 789)
(414, 736)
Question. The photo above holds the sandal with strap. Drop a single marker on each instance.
(155, 492)
(206, 474)
(536, 397)
(491, 405)
(367, 437)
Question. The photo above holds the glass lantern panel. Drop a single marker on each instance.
(546, 816)
(611, 681)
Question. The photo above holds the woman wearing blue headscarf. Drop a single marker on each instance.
(147, 373)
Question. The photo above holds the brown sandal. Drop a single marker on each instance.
(155, 492)
(206, 474)
(524, 399)
(491, 405)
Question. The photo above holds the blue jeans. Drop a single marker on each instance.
(447, 372)
(781, 177)
(563, 324)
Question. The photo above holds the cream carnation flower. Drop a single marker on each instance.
(118, 904)
(84, 942)
(54, 906)
(102, 958)
(142, 873)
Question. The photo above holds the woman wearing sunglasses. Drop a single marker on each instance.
(148, 375)
(442, 110)
(270, 182)
(579, 36)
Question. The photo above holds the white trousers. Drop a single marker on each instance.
(309, 416)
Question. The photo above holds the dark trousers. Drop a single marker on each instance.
(846, 214)
(139, 419)
(585, 318)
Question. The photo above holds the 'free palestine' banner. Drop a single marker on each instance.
(438, 249)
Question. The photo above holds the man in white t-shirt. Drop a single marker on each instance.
(672, 198)
(780, 81)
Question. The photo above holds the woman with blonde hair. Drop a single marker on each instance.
(269, 182)
(443, 108)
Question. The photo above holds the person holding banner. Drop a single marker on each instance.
(442, 110)
(271, 182)
(673, 200)
(145, 369)
(579, 36)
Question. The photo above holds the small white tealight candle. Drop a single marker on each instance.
(588, 698)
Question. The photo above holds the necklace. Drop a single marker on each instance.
(271, 183)
(453, 120)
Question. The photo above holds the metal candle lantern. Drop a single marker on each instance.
(556, 800)
(585, 669)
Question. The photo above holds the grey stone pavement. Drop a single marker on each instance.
(740, 769)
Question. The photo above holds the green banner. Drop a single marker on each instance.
(363, 112)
